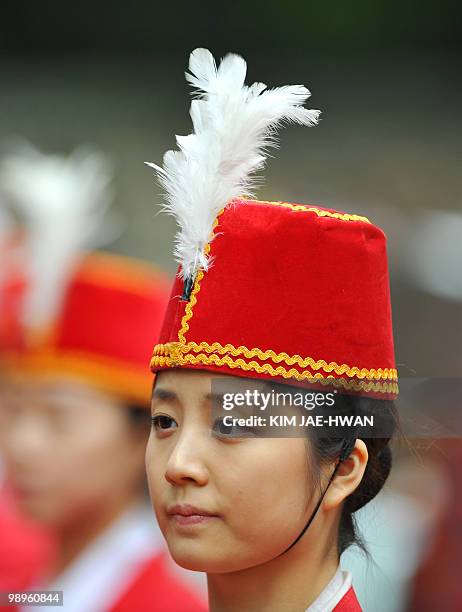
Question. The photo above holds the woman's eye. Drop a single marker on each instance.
(162, 422)
(231, 430)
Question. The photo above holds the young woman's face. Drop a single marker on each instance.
(247, 498)
(69, 450)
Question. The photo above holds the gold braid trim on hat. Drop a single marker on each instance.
(177, 349)
(126, 381)
(318, 211)
(188, 313)
(177, 359)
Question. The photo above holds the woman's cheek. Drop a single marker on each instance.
(265, 495)
(155, 471)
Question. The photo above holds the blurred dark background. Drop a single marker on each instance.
(385, 75)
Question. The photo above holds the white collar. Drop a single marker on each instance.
(333, 593)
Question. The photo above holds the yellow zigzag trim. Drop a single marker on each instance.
(201, 359)
(175, 349)
(318, 211)
(189, 306)
(188, 313)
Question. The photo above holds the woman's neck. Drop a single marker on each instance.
(289, 583)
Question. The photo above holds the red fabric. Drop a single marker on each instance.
(112, 320)
(111, 309)
(11, 295)
(293, 282)
(26, 550)
(348, 603)
(26, 553)
(437, 584)
(156, 590)
(174, 313)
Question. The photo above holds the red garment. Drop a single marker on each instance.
(156, 590)
(348, 603)
(26, 550)
(437, 584)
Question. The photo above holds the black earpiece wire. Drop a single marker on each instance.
(345, 452)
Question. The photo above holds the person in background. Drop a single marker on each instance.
(75, 389)
(26, 547)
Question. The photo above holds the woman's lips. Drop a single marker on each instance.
(185, 514)
(193, 519)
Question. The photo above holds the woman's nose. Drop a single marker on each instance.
(186, 463)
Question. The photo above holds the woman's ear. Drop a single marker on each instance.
(348, 477)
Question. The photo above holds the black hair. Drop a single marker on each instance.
(326, 448)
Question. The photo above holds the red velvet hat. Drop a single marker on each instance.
(101, 336)
(273, 290)
(64, 314)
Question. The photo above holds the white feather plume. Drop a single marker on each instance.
(62, 201)
(234, 124)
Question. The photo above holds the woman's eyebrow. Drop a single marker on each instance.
(164, 394)
(214, 397)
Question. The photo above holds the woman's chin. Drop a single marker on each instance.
(199, 558)
(212, 561)
(192, 563)
(197, 561)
